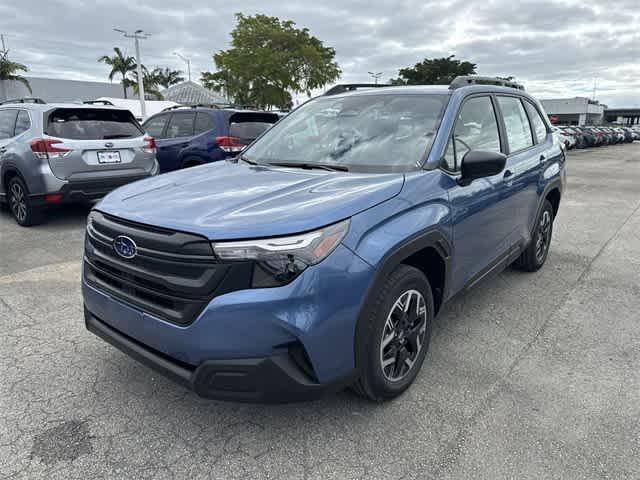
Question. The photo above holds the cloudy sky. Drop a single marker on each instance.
(556, 47)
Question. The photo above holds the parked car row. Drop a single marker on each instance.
(52, 154)
(591, 136)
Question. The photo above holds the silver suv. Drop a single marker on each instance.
(56, 153)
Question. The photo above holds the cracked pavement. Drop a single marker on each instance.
(529, 376)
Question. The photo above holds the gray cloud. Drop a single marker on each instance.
(555, 47)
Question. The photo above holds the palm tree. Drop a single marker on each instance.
(167, 77)
(149, 81)
(8, 71)
(119, 65)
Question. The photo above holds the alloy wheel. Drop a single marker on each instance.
(18, 202)
(544, 236)
(403, 335)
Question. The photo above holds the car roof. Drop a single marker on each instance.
(43, 107)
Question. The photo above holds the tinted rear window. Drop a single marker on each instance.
(248, 126)
(92, 124)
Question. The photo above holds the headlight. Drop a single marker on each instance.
(279, 260)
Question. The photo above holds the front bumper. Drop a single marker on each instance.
(273, 379)
(252, 331)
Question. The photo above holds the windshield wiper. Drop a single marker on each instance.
(246, 160)
(309, 166)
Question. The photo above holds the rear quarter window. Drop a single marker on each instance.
(91, 124)
(23, 122)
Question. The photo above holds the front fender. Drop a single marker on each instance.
(422, 206)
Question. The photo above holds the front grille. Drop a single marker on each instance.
(174, 275)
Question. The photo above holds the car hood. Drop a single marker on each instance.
(229, 200)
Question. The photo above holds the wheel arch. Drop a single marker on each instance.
(430, 252)
(554, 195)
(8, 173)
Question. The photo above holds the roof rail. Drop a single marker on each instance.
(175, 107)
(240, 106)
(195, 105)
(478, 80)
(23, 100)
(351, 87)
(98, 102)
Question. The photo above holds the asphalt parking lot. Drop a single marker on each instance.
(528, 376)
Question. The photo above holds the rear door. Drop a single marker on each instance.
(529, 141)
(156, 127)
(177, 136)
(91, 140)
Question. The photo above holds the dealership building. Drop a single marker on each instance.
(574, 111)
(623, 116)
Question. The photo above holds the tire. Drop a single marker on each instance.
(407, 336)
(20, 204)
(533, 258)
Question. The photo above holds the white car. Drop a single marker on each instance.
(569, 141)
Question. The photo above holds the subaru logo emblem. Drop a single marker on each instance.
(125, 247)
(108, 144)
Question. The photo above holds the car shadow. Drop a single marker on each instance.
(64, 216)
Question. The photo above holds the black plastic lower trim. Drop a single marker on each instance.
(273, 379)
(79, 192)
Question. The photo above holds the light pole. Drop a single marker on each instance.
(188, 60)
(375, 76)
(138, 35)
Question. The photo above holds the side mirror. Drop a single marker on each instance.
(479, 164)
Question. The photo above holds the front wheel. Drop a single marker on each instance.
(393, 335)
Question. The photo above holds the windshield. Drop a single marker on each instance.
(375, 133)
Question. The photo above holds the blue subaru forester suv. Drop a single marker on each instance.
(319, 258)
(190, 136)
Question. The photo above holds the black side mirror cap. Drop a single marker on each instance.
(479, 164)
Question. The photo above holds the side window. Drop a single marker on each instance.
(204, 123)
(7, 122)
(516, 123)
(180, 125)
(476, 129)
(155, 125)
(23, 123)
(539, 127)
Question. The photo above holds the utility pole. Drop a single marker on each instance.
(4, 49)
(137, 36)
(188, 60)
(376, 76)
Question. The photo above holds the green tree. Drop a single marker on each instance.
(268, 60)
(149, 81)
(166, 77)
(120, 64)
(8, 71)
(436, 71)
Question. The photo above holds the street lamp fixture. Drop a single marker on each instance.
(188, 61)
(375, 76)
(137, 36)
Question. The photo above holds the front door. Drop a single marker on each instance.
(479, 218)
